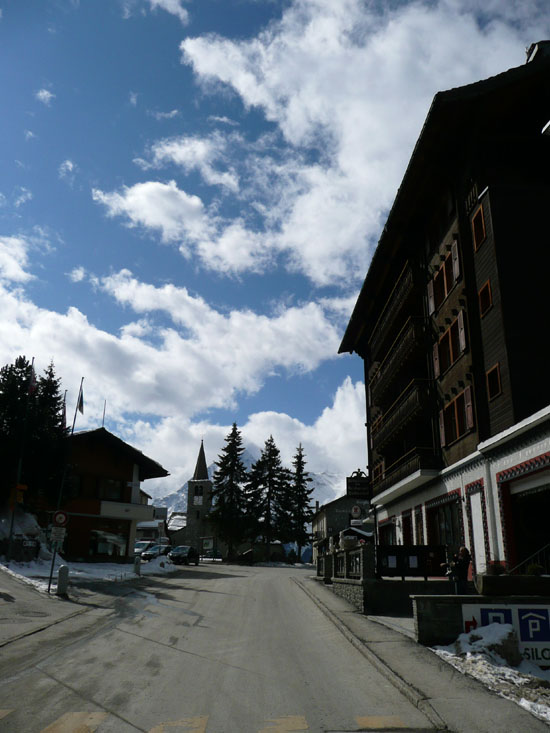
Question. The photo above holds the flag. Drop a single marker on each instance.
(80, 405)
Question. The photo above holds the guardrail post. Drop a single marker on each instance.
(137, 565)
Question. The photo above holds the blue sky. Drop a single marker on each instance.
(191, 193)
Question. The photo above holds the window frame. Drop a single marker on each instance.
(449, 417)
(479, 212)
(494, 369)
(485, 287)
(455, 341)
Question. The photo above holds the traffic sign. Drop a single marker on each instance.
(57, 534)
(356, 511)
(60, 518)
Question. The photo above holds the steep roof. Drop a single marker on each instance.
(148, 468)
(201, 470)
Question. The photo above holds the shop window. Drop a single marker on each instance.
(485, 298)
(456, 418)
(386, 533)
(444, 525)
(444, 279)
(493, 382)
(478, 228)
(450, 346)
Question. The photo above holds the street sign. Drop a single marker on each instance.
(60, 518)
(57, 534)
(356, 511)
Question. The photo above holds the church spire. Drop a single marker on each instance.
(201, 471)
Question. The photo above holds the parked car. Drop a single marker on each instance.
(155, 551)
(142, 545)
(183, 555)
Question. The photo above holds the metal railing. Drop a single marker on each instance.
(394, 304)
(540, 557)
(409, 338)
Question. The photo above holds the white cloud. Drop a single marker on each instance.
(133, 97)
(44, 96)
(77, 274)
(194, 153)
(14, 260)
(29, 135)
(159, 206)
(66, 170)
(351, 82)
(165, 115)
(23, 197)
(174, 7)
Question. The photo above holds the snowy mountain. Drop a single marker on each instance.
(326, 487)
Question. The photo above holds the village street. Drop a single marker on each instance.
(221, 649)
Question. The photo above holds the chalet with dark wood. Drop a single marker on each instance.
(451, 322)
(103, 498)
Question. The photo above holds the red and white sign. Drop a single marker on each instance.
(356, 511)
(60, 518)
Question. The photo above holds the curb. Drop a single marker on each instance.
(415, 696)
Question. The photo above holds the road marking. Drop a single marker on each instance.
(373, 722)
(197, 725)
(3, 713)
(76, 723)
(282, 725)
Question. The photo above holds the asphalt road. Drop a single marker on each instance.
(212, 649)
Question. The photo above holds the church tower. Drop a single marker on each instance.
(199, 504)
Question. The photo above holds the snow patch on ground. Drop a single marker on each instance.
(37, 572)
(476, 654)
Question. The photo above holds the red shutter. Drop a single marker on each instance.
(442, 428)
(436, 360)
(468, 404)
(461, 332)
(431, 299)
(456, 260)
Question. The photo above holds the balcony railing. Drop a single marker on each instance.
(408, 339)
(393, 306)
(407, 464)
(411, 401)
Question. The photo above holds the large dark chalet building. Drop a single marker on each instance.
(451, 324)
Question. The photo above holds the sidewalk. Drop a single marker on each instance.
(451, 700)
(24, 610)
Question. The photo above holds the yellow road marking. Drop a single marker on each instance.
(3, 713)
(196, 725)
(76, 723)
(380, 721)
(282, 725)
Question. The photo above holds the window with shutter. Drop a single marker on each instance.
(436, 360)
(456, 260)
(431, 299)
(493, 382)
(461, 332)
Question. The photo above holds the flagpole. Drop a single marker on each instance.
(103, 421)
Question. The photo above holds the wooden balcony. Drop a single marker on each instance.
(393, 306)
(414, 460)
(412, 401)
(408, 340)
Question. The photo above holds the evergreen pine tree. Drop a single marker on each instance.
(31, 431)
(227, 514)
(266, 489)
(300, 493)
